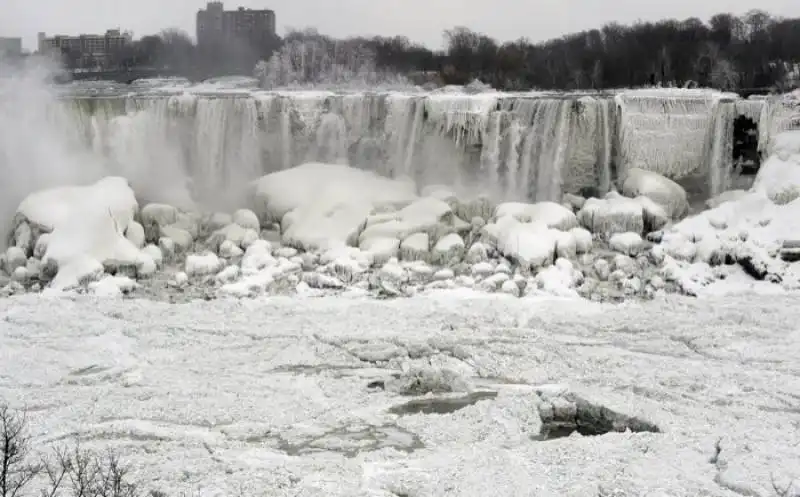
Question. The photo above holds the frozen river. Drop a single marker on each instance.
(294, 396)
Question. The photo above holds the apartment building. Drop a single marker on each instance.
(86, 50)
(216, 26)
(10, 47)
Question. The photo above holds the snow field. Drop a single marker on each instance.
(322, 227)
(443, 394)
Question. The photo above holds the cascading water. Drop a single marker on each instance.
(332, 140)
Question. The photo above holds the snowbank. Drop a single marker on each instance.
(756, 229)
(779, 176)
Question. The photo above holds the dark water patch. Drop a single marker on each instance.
(441, 405)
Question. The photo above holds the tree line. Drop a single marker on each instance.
(728, 52)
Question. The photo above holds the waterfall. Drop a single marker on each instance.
(205, 147)
(720, 146)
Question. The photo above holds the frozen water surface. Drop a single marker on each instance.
(300, 397)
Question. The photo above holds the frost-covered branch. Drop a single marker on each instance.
(317, 60)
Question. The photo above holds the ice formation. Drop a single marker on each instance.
(186, 146)
(332, 227)
(246, 192)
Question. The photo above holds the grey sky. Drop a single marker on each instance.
(420, 20)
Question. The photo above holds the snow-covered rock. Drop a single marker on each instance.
(779, 176)
(611, 215)
(528, 244)
(583, 240)
(181, 239)
(159, 214)
(167, 247)
(661, 190)
(155, 254)
(566, 245)
(381, 248)
(321, 206)
(229, 250)
(247, 219)
(416, 247)
(550, 214)
(135, 233)
(478, 252)
(449, 248)
(203, 264)
(88, 225)
(112, 286)
(482, 269)
(228, 275)
(559, 279)
(14, 258)
(627, 243)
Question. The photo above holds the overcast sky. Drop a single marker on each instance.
(420, 20)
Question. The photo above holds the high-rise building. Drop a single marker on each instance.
(86, 50)
(216, 26)
(10, 47)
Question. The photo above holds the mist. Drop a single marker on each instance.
(37, 149)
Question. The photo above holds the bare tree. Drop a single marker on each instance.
(67, 472)
(16, 472)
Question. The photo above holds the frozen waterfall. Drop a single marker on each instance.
(206, 147)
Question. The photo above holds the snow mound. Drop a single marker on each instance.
(779, 176)
(88, 226)
(321, 206)
(758, 230)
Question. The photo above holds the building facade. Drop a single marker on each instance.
(217, 26)
(10, 47)
(86, 50)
